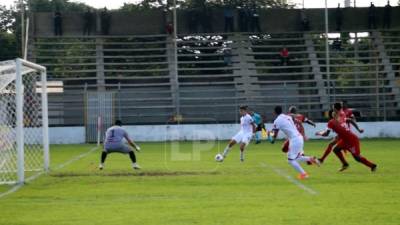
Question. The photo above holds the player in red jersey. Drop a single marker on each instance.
(347, 141)
(298, 120)
(344, 116)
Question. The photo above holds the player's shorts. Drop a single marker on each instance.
(243, 137)
(260, 127)
(119, 148)
(285, 146)
(295, 147)
(352, 145)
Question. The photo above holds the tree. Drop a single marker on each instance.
(185, 4)
(8, 46)
(56, 5)
(7, 20)
(8, 40)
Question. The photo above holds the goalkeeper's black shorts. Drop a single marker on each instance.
(260, 127)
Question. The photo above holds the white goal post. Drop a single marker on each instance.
(24, 135)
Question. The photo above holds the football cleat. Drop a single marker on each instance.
(373, 168)
(344, 167)
(302, 176)
(136, 166)
(315, 161)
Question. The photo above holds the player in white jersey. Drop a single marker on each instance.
(243, 137)
(114, 142)
(295, 154)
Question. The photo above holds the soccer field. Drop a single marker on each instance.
(180, 183)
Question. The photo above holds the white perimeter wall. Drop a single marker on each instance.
(67, 135)
(76, 135)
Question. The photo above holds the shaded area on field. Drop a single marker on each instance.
(137, 174)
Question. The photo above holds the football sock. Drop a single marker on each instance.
(296, 166)
(304, 158)
(258, 136)
(339, 154)
(226, 151)
(326, 153)
(366, 162)
(132, 156)
(241, 155)
(103, 157)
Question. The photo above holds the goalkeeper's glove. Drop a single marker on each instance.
(137, 148)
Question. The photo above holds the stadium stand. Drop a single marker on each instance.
(217, 72)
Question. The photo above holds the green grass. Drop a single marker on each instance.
(170, 190)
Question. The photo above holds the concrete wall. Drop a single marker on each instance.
(153, 21)
(67, 135)
(122, 23)
(76, 135)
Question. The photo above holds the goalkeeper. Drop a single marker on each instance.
(114, 142)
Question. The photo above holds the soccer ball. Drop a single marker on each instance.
(219, 158)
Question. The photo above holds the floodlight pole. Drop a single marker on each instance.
(21, 5)
(175, 40)
(175, 25)
(26, 39)
(327, 59)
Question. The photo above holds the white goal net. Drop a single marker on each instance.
(24, 145)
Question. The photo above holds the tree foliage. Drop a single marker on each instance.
(56, 5)
(8, 46)
(7, 19)
(8, 26)
(187, 4)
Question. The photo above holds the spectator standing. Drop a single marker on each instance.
(88, 22)
(193, 18)
(206, 19)
(372, 17)
(339, 18)
(243, 18)
(304, 20)
(284, 55)
(387, 16)
(255, 19)
(228, 16)
(58, 31)
(169, 28)
(105, 19)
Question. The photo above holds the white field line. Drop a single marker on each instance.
(76, 158)
(290, 178)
